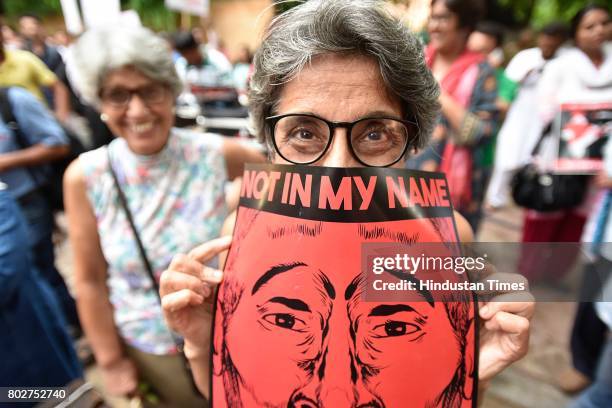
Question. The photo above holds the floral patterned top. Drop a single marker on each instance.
(177, 201)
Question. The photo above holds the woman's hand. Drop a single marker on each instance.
(120, 378)
(504, 336)
(186, 285)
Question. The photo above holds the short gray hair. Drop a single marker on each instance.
(343, 26)
(101, 51)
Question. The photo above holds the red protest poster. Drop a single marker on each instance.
(584, 130)
(294, 324)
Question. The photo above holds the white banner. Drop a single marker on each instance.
(197, 7)
(72, 18)
(98, 13)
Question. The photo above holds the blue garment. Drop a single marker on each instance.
(37, 126)
(599, 394)
(35, 349)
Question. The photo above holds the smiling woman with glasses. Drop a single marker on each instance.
(337, 83)
(171, 180)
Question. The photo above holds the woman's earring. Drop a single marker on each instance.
(103, 117)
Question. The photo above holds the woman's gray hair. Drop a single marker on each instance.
(101, 51)
(343, 26)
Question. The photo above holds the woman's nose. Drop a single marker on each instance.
(136, 106)
(339, 153)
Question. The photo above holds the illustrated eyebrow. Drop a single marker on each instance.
(272, 272)
(327, 285)
(377, 231)
(295, 304)
(352, 287)
(387, 310)
(417, 282)
(306, 229)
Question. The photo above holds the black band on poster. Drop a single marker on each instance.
(345, 194)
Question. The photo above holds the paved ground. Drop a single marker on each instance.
(528, 383)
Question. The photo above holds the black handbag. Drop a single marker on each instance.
(544, 190)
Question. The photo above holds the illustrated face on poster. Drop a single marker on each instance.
(292, 328)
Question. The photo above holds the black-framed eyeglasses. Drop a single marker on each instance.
(302, 138)
(120, 97)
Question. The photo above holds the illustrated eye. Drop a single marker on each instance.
(395, 328)
(285, 320)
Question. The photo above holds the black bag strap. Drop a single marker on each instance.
(545, 132)
(141, 250)
(145, 260)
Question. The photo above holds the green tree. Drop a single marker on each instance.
(42, 8)
(153, 13)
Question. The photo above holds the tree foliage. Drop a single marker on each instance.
(42, 8)
(154, 13)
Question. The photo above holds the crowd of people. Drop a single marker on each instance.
(149, 206)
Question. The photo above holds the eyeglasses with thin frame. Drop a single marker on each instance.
(150, 95)
(374, 141)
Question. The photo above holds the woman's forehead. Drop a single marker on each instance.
(126, 77)
(339, 87)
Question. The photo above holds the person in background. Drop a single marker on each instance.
(12, 40)
(61, 40)
(84, 120)
(582, 74)
(522, 126)
(201, 65)
(469, 112)
(30, 28)
(174, 184)
(24, 69)
(598, 238)
(23, 167)
(488, 39)
(35, 41)
(35, 348)
(242, 68)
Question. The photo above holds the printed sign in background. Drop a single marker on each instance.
(292, 327)
(583, 130)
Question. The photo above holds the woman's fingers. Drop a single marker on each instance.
(185, 264)
(519, 303)
(174, 281)
(516, 329)
(208, 250)
(212, 276)
(176, 301)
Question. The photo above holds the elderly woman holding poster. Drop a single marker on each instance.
(339, 84)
